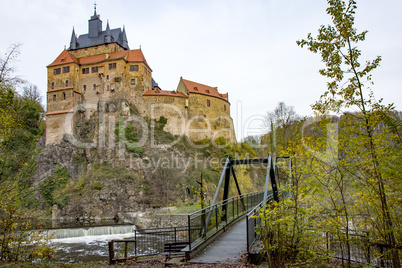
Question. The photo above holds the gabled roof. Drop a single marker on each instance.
(135, 55)
(64, 58)
(164, 93)
(128, 55)
(198, 88)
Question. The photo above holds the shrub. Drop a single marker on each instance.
(97, 185)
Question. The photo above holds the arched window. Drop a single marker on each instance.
(54, 98)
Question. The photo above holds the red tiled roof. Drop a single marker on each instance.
(92, 59)
(198, 88)
(164, 93)
(128, 55)
(57, 89)
(64, 58)
(135, 55)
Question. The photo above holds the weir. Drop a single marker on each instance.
(89, 231)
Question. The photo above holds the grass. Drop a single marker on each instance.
(184, 210)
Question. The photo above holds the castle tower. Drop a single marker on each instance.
(97, 66)
(94, 25)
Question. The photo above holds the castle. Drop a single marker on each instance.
(99, 67)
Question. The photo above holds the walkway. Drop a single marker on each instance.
(229, 248)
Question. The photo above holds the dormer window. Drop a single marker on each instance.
(207, 91)
(195, 88)
(62, 60)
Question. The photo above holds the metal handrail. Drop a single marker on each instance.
(252, 220)
(227, 201)
(222, 214)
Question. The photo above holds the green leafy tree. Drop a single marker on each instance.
(21, 123)
(366, 144)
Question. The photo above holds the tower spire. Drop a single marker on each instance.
(74, 41)
(108, 36)
(124, 41)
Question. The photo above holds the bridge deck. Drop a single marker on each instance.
(229, 248)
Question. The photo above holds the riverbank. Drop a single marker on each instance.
(157, 263)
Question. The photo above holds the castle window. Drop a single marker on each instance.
(52, 85)
(155, 99)
(107, 87)
(54, 98)
(112, 66)
(224, 107)
(173, 99)
(95, 69)
(133, 68)
(133, 81)
(85, 70)
(107, 77)
(208, 103)
(57, 71)
(66, 69)
(64, 96)
(66, 83)
(94, 86)
(85, 87)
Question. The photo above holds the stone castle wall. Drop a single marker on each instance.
(190, 115)
(97, 50)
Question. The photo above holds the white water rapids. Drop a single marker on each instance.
(87, 243)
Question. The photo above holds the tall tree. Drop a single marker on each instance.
(367, 143)
(281, 123)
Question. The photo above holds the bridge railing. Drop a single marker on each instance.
(220, 214)
(253, 220)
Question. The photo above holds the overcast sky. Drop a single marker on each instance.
(246, 48)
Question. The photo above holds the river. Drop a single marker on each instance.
(84, 244)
